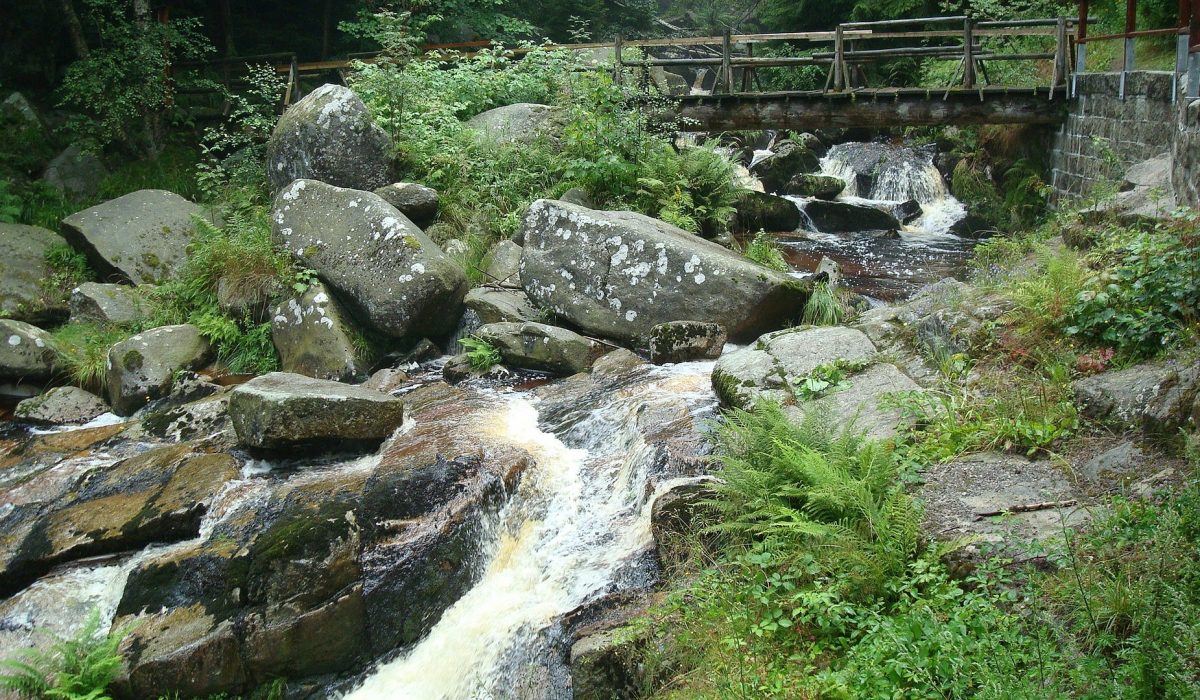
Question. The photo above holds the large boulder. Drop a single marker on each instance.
(819, 186)
(61, 405)
(314, 337)
(541, 347)
(141, 237)
(418, 202)
(520, 123)
(24, 273)
(774, 367)
(758, 211)
(785, 162)
(281, 410)
(501, 305)
(142, 368)
(378, 263)
(618, 274)
(502, 264)
(844, 217)
(76, 173)
(329, 136)
(683, 341)
(94, 302)
(26, 352)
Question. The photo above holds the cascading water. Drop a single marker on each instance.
(580, 515)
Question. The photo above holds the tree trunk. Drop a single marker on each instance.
(325, 29)
(74, 29)
(227, 28)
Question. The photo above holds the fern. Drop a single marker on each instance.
(79, 668)
(481, 354)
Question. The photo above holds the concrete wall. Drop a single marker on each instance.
(1104, 134)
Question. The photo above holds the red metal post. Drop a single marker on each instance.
(1083, 15)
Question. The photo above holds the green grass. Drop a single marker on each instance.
(823, 307)
(84, 348)
(764, 250)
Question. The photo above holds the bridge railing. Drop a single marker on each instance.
(1187, 42)
(971, 43)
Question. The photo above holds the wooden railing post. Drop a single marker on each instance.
(618, 64)
(968, 54)
(727, 61)
(1060, 55)
(839, 60)
(748, 71)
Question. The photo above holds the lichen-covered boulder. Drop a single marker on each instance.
(541, 347)
(142, 368)
(93, 302)
(418, 202)
(379, 264)
(1156, 397)
(501, 305)
(314, 337)
(619, 274)
(281, 410)
(785, 162)
(141, 237)
(684, 341)
(502, 264)
(23, 273)
(329, 136)
(26, 352)
(61, 405)
(759, 211)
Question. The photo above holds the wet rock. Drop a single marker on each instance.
(281, 410)
(501, 305)
(76, 173)
(789, 159)
(758, 211)
(678, 514)
(141, 237)
(142, 368)
(1155, 397)
(157, 496)
(520, 123)
(61, 405)
(884, 171)
(618, 274)
(387, 380)
(329, 136)
(844, 217)
(819, 186)
(418, 202)
(684, 341)
(541, 347)
(24, 272)
(457, 369)
(502, 264)
(606, 665)
(116, 304)
(973, 226)
(26, 352)
(206, 419)
(908, 211)
(314, 337)
(378, 263)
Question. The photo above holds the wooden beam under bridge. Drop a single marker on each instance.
(870, 109)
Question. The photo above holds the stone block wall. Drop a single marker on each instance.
(1104, 134)
(1185, 161)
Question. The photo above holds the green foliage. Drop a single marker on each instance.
(1145, 293)
(123, 89)
(80, 668)
(84, 348)
(823, 307)
(826, 378)
(764, 250)
(481, 354)
(235, 151)
(692, 189)
(10, 204)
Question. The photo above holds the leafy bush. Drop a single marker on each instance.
(764, 250)
(80, 668)
(235, 151)
(1145, 293)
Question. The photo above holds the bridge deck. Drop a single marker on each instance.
(872, 108)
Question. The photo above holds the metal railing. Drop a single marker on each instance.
(1187, 43)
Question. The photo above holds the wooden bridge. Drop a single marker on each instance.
(725, 91)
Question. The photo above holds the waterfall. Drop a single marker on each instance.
(580, 514)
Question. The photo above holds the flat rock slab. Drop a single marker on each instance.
(141, 237)
(281, 410)
(93, 302)
(23, 272)
(861, 403)
(619, 274)
(955, 493)
(501, 305)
